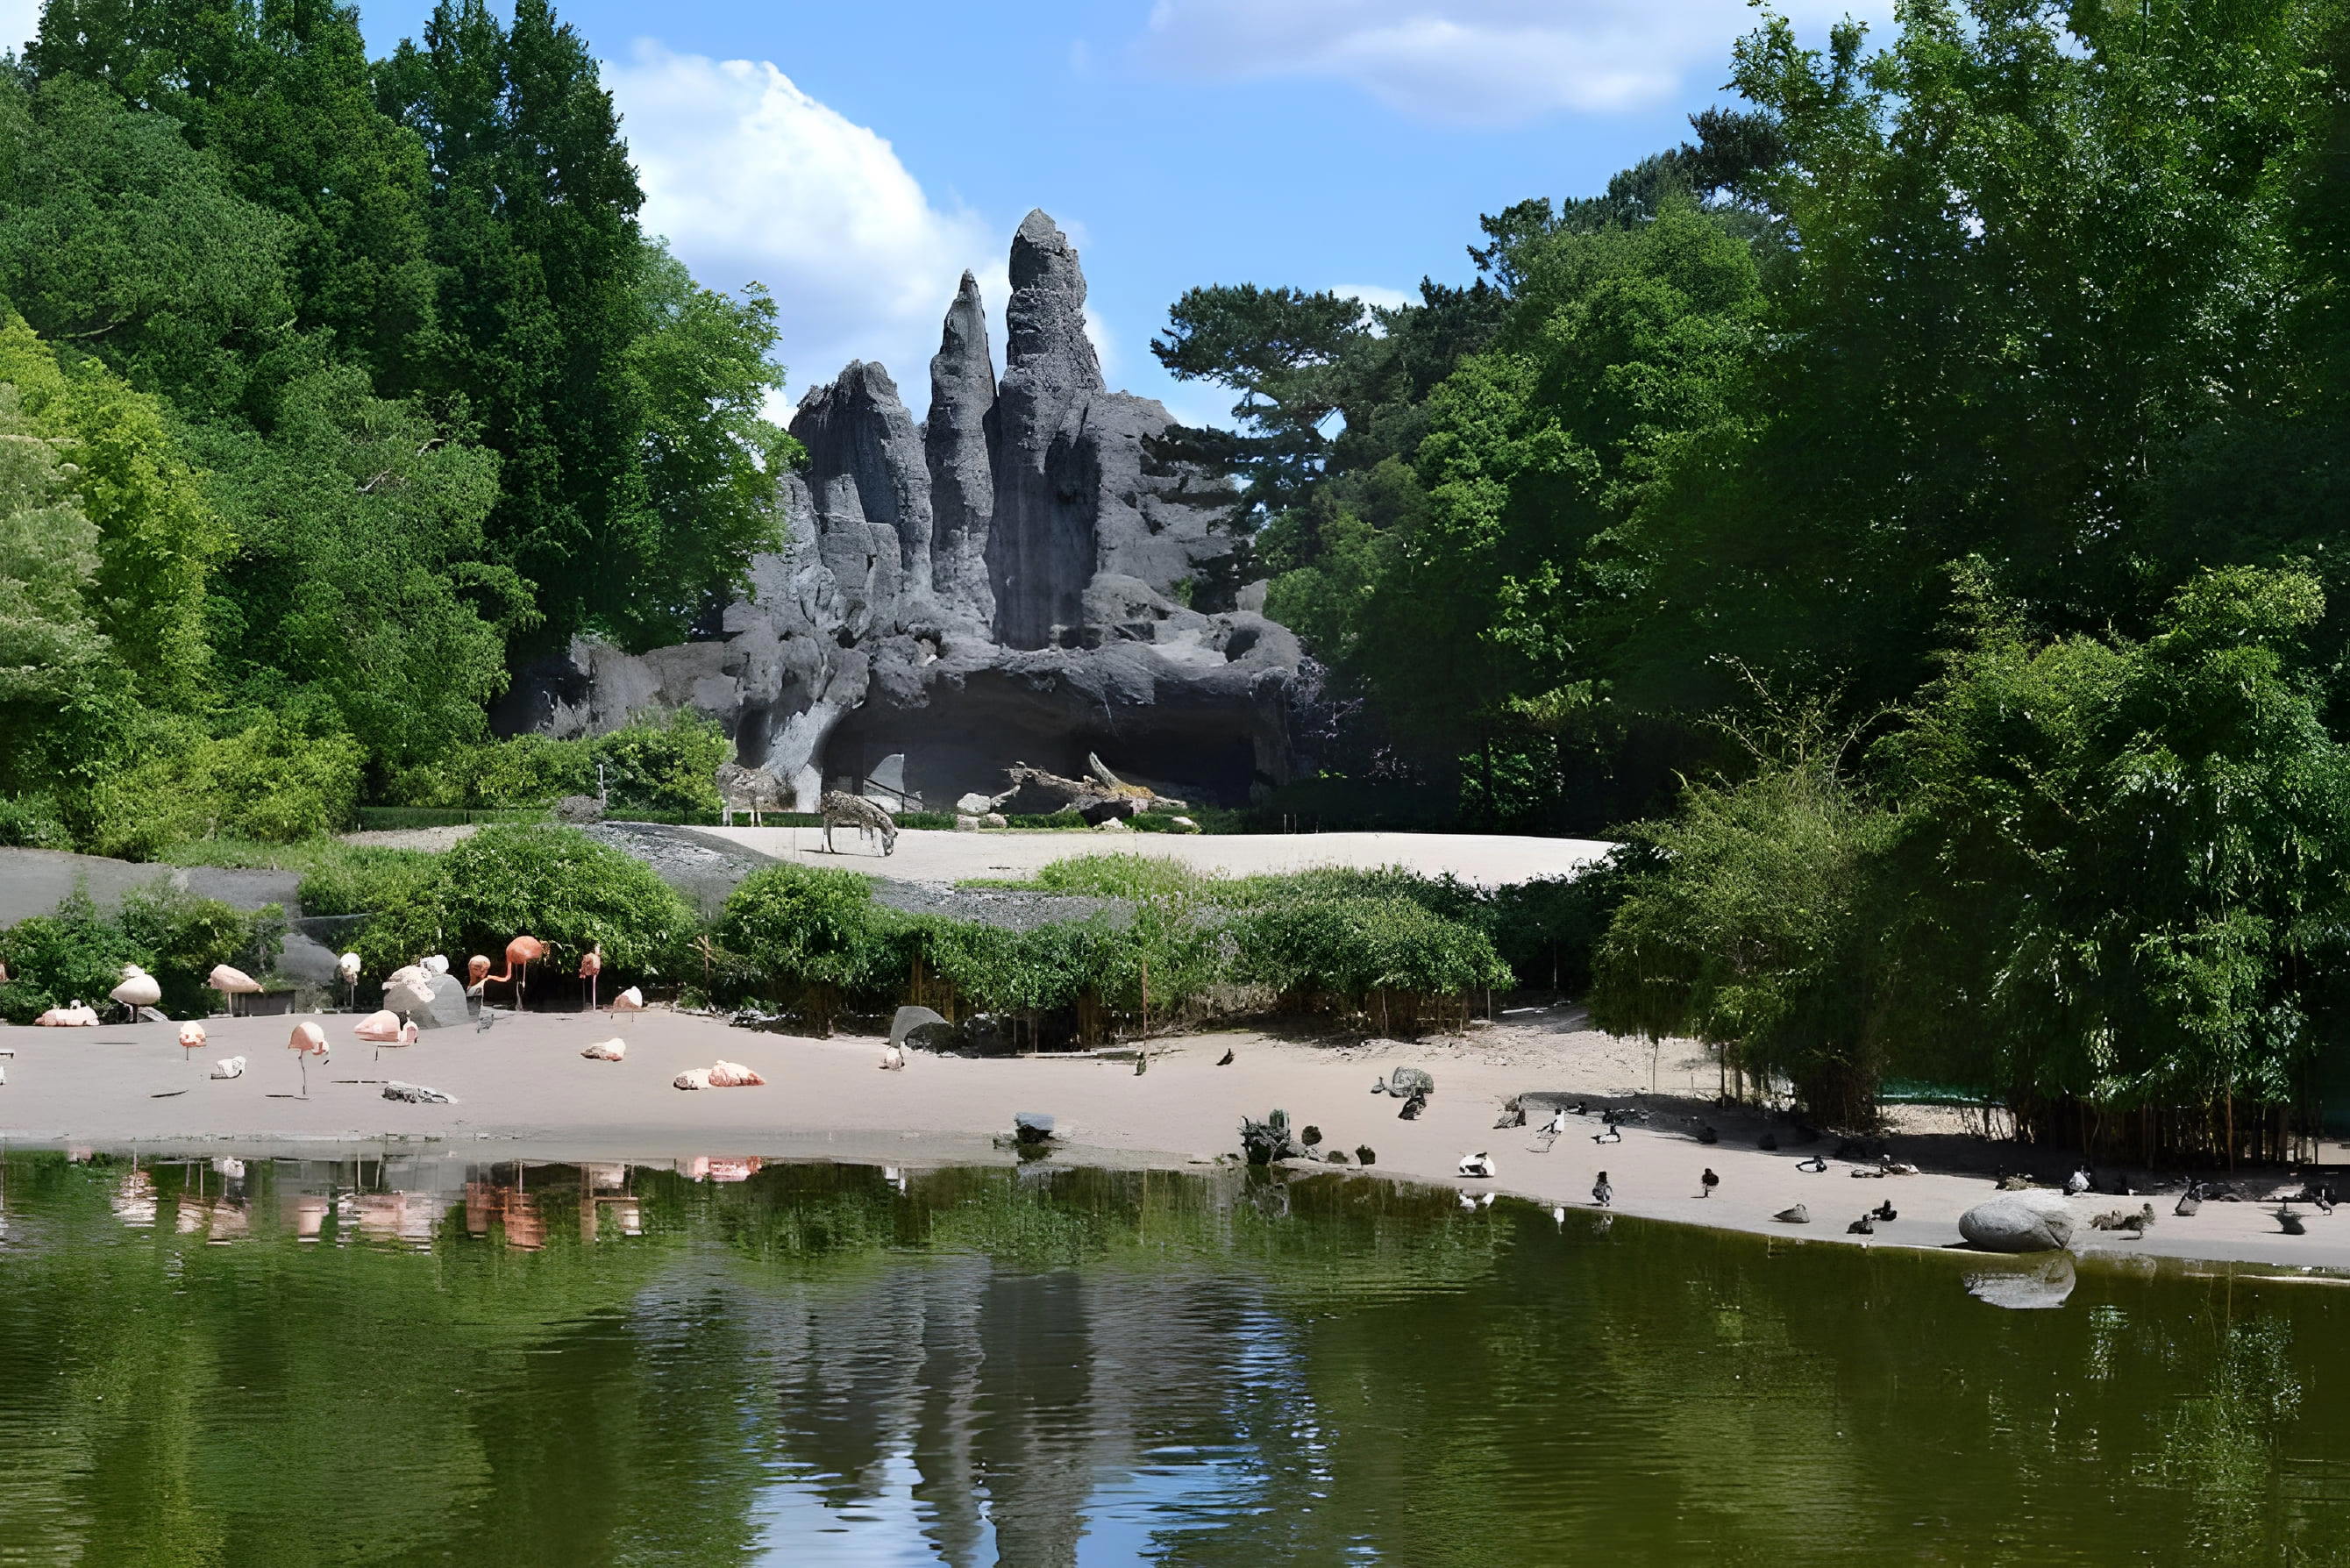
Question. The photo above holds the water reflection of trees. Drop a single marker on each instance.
(487, 1362)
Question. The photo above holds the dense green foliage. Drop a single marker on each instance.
(78, 952)
(560, 885)
(1976, 393)
(361, 383)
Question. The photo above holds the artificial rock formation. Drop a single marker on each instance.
(1013, 579)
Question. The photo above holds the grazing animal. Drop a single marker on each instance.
(893, 1059)
(1601, 1193)
(1707, 1135)
(1226, 1059)
(1814, 1165)
(2189, 1201)
(841, 809)
(1478, 1164)
(1798, 1215)
(1863, 1226)
(1768, 1143)
(1364, 1156)
(2078, 1183)
(752, 790)
(1885, 1213)
(1611, 1133)
(1707, 1183)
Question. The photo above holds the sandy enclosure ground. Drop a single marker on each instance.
(927, 855)
(524, 1091)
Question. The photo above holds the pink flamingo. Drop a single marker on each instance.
(385, 1028)
(139, 989)
(308, 1040)
(591, 966)
(630, 1001)
(192, 1035)
(232, 983)
(521, 953)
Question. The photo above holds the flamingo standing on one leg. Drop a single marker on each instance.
(520, 954)
(591, 965)
(382, 1029)
(347, 966)
(308, 1040)
(139, 989)
(232, 983)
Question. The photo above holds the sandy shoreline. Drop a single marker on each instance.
(523, 1092)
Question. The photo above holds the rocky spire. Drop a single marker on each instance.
(956, 442)
(1040, 555)
(867, 485)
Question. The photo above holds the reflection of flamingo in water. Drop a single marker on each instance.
(521, 953)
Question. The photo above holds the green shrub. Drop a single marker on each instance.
(668, 767)
(552, 883)
(1343, 950)
(31, 822)
(73, 954)
(78, 953)
(360, 879)
(270, 782)
(800, 925)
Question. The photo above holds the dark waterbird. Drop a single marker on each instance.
(1707, 1135)
(1885, 1213)
(1610, 1134)
(1863, 1226)
(1814, 1165)
(1363, 1155)
(2289, 1222)
(1412, 1106)
(1798, 1215)
(1226, 1059)
(1601, 1193)
(2189, 1201)
(1707, 1183)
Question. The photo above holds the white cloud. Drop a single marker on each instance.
(1472, 62)
(750, 177)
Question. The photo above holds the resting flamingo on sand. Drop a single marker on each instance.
(591, 965)
(521, 953)
(307, 1041)
(385, 1028)
(74, 1016)
(232, 983)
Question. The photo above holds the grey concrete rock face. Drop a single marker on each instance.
(1027, 575)
(448, 1009)
(2012, 1225)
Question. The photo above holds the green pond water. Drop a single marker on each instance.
(428, 1361)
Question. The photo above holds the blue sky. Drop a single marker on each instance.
(857, 156)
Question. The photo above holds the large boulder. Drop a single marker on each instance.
(447, 1008)
(2015, 1223)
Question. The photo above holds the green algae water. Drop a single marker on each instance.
(425, 1360)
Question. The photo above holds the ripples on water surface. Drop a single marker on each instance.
(427, 1361)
